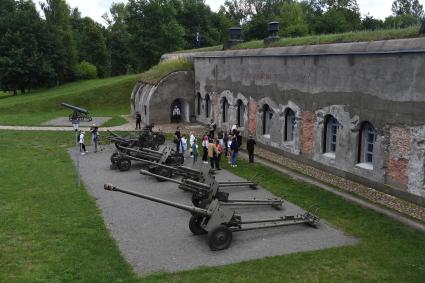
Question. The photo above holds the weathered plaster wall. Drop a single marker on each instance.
(379, 82)
(154, 101)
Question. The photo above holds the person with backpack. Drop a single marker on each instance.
(94, 136)
(235, 150)
(220, 151)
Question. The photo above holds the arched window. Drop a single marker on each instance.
(267, 117)
(207, 106)
(330, 136)
(240, 113)
(198, 101)
(224, 108)
(289, 125)
(367, 140)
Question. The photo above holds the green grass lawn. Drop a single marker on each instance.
(50, 231)
(356, 36)
(105, 97)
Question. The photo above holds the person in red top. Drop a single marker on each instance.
(220, 151)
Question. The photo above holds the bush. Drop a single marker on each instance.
(86, 71)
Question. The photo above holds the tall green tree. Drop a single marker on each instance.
(24, 58)
(195, 16)
(118, 40)
(407, 7)
(90, 43)
(154, 30)
(63, 51)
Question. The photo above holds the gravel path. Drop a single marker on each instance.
(155, 237)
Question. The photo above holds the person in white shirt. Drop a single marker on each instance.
(191, 142)
(82, 145)
(176, 114)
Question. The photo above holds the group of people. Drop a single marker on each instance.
(94, 138)
(214, 146)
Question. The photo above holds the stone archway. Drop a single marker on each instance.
(184, 107)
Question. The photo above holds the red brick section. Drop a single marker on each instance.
(252, 117)
(398, 156)
(307, 127)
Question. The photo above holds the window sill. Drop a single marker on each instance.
(365, 165)
(267, 136)
(330, 155)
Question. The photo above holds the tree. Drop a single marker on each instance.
(63, 52)
(194, 16)
(407, 7)
(24, 58)
(90, 43)
(370, 23)
(292, 19)
(154, 30)
(118, 40)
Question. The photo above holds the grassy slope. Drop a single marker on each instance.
(54, 232)
(157, 72)
(50, 230)
(101, 97)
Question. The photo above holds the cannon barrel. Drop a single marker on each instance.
(114, 134)
(191, 209)
(75, 108)
(192, 182)
(144, 150)
(144, 172)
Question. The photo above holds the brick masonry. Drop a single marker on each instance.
(398, 155)
(307, 128)
(252, 117)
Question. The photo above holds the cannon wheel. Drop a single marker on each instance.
(195, 225)
(219, 238)
(164, 172)
(204, 203)
(159, 139)
(196, 199)
(124, 164)
(114, 157)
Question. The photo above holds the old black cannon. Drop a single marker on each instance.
(146, 139)
(122, 141)
(220, 222)
(203, 194)
(122, 158)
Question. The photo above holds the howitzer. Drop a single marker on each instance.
(220, 222)
(203, 175)
(123, 157)
(79, 114)
(203, 194)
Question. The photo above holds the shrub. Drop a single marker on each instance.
(86, 71)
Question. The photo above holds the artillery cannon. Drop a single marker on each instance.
(203, 175)
(203, 194)
(147, 139)
(123, 157)
(220, 222)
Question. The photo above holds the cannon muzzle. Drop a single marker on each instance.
(75, 108)
(191, 209)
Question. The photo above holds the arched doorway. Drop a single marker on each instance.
(183, 106)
